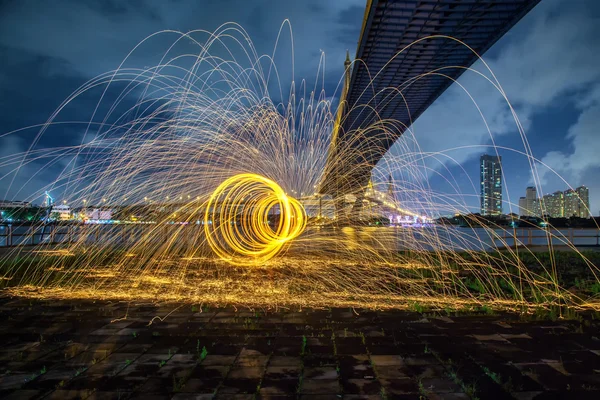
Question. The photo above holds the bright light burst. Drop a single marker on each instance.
(236, 219)
(224, 159)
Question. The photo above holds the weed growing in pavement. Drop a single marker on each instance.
(303, 347)
(203, 353)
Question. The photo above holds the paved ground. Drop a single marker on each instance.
(69, 350)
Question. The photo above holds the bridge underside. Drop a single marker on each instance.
(391, 88)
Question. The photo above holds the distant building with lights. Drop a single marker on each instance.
(570, 203)
(490, 169)
(63, 211)
(96, 214)
(522, 206)
(553, 205)
(584, 202)
(14, 204)
(530, 201)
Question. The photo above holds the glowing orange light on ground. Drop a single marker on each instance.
(237, 224)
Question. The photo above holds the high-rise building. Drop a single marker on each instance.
(545, 205)
(555, 204)
(530, 201)
(522, 206)
(583, 203)
(536, 208)
(491, 184)
(571, 203)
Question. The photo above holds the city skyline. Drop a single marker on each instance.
(572, 202)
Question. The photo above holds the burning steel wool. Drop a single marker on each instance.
(236, 220)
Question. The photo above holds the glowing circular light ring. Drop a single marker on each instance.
(236, 219)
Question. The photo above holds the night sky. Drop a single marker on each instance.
(548, 65)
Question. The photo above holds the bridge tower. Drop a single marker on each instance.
(391, 195)
(347, 72)
(339, 195)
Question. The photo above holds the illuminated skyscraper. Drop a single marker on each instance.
(530, 201)
(490, 169)
(571, 206)
(555, 204)
(583, 203)
(522, 206)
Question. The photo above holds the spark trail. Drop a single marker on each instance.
(198, 146)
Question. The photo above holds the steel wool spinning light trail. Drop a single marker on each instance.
(236, 220)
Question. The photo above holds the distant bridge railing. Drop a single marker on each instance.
(20, 235)
(32, 235)
(541, 237)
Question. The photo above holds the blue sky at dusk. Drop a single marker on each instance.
(548, 64)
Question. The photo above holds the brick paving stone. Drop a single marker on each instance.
(13, 381)
(361, 386)
(192, 396)
(448, 396)
(150, 396)
(234, 396)
(279, 386)
(320, 386)
(275, 392)
(217, 359)
(400, 385)
(386, 360)
(258, 361)
(239, 386)
(157, 385)
(202, 385)
(361, 371)
(392, 372)
(281, 361)
(209, 371)
(318, 397)
(246, 372)
(22, 395)
(320, 373)
(439, 385)
(282, 372)
(68, 394)
(526, 395)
